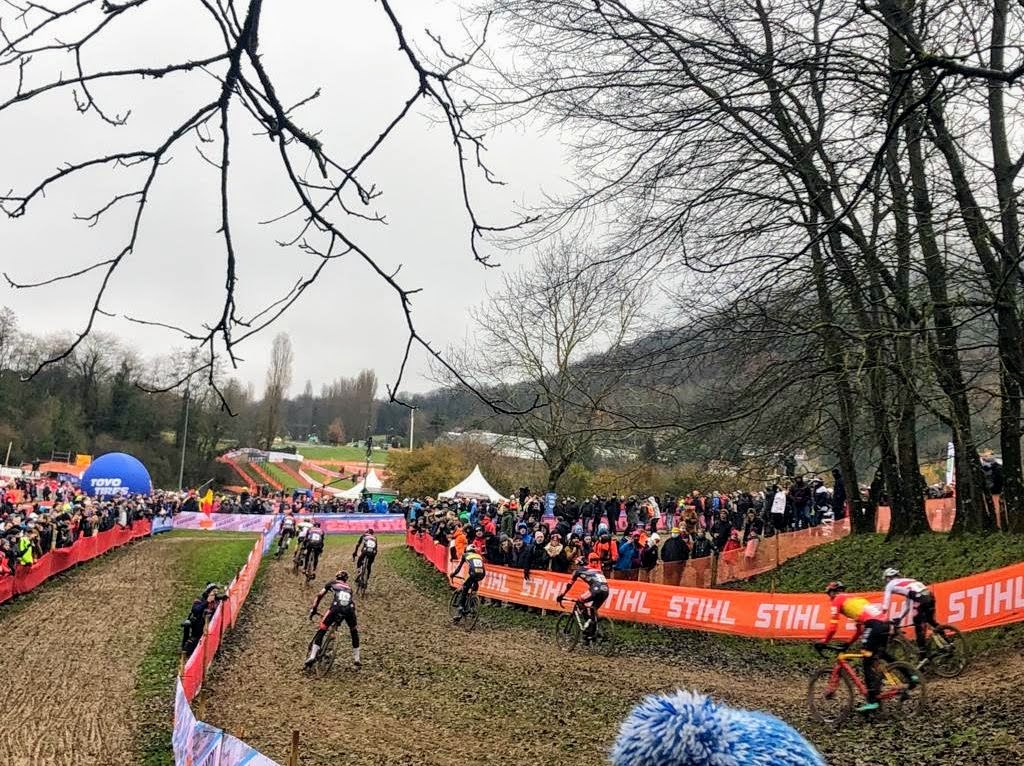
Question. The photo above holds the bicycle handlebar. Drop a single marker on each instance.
(824, 650)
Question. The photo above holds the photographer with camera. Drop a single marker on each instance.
(202, 610)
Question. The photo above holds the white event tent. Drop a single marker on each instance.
(372, 484)
(474, 485)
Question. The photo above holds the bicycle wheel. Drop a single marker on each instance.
(360, 585)
(453, 605)
(949, 652)
(325, 660)
(604, 641)
(900, 695)
(472, 612)
(903, 649)
(296, 561)
(567, 632)
(829, 700)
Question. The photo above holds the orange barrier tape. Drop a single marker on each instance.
(983, 600)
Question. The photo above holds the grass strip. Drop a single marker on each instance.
(202, 560)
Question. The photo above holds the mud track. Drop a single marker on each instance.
(428, 693)
(70, 658)
(431, 695)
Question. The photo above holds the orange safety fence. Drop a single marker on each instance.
(984, 600)
(224, 618)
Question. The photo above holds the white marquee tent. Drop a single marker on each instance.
(474, 485)
(371, 482)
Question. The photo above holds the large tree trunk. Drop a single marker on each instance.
(1010, 339)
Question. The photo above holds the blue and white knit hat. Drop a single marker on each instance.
(690, 729)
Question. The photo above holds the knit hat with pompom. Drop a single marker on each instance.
(689, 729)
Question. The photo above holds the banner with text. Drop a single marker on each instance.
(983, 600)
(332, 523)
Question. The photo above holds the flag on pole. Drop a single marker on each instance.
(206, 502)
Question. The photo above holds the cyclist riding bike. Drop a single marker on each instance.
(596, 596)
(916, 596)
(366, 550)
(287, 530)
(314, 546)
(303, 526)
(475, 572)
(343, 609)
(871, 627)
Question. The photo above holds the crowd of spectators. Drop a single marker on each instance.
(631, 535)
(38, 516)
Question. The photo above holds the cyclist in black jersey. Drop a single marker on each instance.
(343, 609)
(475, 572)
(597, 595)
(366, 549)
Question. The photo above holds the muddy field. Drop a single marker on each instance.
(71, 650)
(429, 694)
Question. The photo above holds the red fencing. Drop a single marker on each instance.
(223, 619)
(979, 601)
(273, 483)
(56, 561)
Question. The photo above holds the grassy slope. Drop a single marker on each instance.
(326, 452)
(202, 560)
(284, 478)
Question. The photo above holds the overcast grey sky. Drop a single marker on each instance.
(350, 320)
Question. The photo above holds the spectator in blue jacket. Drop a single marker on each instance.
(628, 563)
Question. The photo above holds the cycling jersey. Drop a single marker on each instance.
(369, 544)
(304, 527)
(315, 537)
(474, 565)
(911, 590)
(342, 594)
(288, 523)
(594, 578)
(856, 608)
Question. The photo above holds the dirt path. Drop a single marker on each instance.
(70, 655)
(427, 692)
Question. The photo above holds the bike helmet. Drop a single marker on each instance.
(834, 587)
(343, 575)
(369, 531)
(891, 572)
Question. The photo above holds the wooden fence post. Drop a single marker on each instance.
(293, 758)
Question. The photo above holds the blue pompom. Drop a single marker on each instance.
(690, 729)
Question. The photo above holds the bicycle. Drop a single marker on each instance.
(282, 545)
(325, 658)
(466, 614)
(569, 630)
(308, 568)
(362, 579)
(830, 692)
(297, 557)
(946, 652)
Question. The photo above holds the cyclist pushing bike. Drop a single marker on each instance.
(343, 609)
(873, 630)
(598, 592)
(475, 572)
(917, 597)
(366, 551)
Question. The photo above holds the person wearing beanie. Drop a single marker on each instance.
(690, 729)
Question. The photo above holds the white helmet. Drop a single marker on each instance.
(891, 572)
